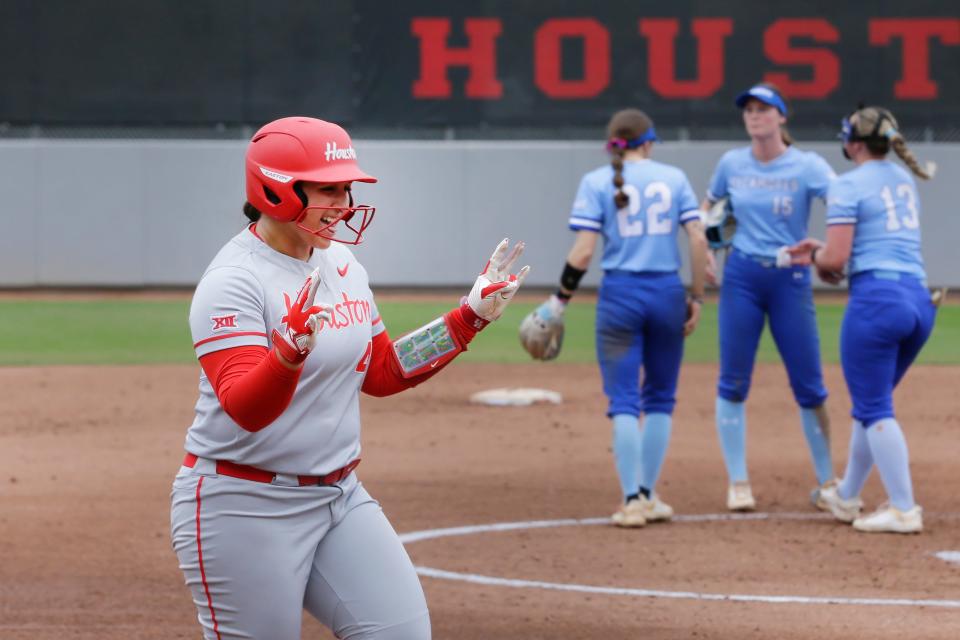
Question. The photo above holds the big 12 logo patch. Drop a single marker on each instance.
(224, 322)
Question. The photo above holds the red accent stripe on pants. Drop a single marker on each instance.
(203, 574)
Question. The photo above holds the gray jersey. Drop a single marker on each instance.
(239, 301)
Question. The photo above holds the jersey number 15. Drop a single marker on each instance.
(656, 225)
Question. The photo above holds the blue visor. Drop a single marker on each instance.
(764, 95)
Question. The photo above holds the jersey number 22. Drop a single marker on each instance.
(655, 209)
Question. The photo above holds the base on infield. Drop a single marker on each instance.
(515, 397)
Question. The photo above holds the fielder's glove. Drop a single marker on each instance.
(541, 332)
(495, 286)
(302, 319)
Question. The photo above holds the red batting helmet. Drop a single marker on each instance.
(297, 149)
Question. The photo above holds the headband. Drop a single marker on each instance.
(650, 135)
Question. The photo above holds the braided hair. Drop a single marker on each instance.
(878, 130)
(623, 130)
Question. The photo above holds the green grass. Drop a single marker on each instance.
(143, 332)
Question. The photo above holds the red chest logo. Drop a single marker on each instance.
(224, 322)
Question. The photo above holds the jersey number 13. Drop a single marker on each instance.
(659, 199)
(904, 192)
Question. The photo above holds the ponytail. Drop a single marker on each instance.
(899, 145)
(620, 198)
(878, 130)
(627, 129)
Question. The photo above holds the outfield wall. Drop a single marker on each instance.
(153, 213)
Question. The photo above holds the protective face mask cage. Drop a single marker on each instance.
(346, 227)
(846, 130)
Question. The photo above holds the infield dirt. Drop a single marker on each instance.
(87, 456)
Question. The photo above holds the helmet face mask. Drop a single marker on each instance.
(846, 136)
(851, 131)
(287, 152)
(350, 232)
(846, 130)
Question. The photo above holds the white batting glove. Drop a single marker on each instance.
(495, 285)
(302, 320)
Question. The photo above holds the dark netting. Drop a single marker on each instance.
(693, 132)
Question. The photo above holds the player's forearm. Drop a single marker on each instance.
(578, 260)
(251, 383)
(581, 253)
(385, 375)
(698, 258)
(835, 252)
(829, 258)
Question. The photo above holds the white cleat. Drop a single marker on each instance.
(655, 510)
(843, 510)
(815, 495)
(889, 519)
(629, 515)
(740, 497)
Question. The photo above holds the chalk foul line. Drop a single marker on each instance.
(474, 578)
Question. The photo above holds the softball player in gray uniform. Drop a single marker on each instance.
(268, 517)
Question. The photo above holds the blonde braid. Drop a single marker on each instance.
(888, 136)
(899, 145)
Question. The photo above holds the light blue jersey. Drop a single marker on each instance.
(770, 200)
(641, 236)
(880, 197)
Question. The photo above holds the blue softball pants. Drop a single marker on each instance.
(754, 288)
(888, 319)
(640, 320)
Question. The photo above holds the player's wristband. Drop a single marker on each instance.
(813, 256)
(570, 278)
(290, 354)
(424, 349)
(697, 299)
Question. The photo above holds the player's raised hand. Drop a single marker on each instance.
(495, 285)
(694, 306)
(830, 277)
(302, 320)
(710, 269)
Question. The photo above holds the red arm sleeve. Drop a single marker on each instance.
(384, 376)
(251, 384)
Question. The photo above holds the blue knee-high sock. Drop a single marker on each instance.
(859, 463)
(732, 428)
(626, 452)
(889, 449)
(818, 443)
(654, 440)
